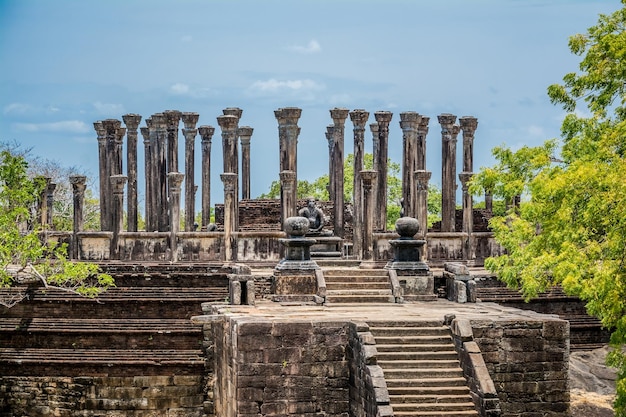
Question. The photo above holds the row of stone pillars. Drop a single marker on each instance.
(160, 139)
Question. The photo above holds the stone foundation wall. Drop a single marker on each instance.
(280, 368)
(528, 361)
(139, 396)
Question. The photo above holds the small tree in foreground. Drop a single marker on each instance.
(23, 256)
(570, 228)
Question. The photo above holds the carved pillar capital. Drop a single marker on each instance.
(465, 178)
(79, 183)
(172, 119)
(118, 182)
(227, 122)
(291, 115)
(230, 180)
(422, 128)
(359, 118)
(159, 121)
(100, 130)
(410, 120)
(206, 133)
(339, 115)
(245, 133)
(383, 117)
(233, 111)
(190, 119)
(446, 120)
(468, 124)
(131, 121)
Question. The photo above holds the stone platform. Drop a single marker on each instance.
(297, 352)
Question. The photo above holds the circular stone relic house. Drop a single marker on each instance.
(287, 306)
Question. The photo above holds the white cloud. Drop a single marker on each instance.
(109, 109)
(67, 126)
(16, 108)
(312, 47)
(273, 85)
(179, 88)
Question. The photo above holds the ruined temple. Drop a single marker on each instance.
(254, 315)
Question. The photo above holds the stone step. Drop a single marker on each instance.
(425, 413)
(420, 364)
(60, 333)
(401, 355)
(408, 331)
(357, 279)
(428, 391)
(100, 362)
(422, 324)
(358, 291)
(415, 348)
(443, 407)
(358, 298)
(419, 382)
(425, 374)
(443, 398)
(412, 340)
(360, 285)
(355, 272)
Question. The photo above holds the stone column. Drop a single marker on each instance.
(245, 134)
(382, 118)
(132, 123)
(230, 207)
(288, 132)
(368, 177)
(174, 179)
(489, 201)
(339, 116)
(331, 179)
(359, 119)
(50, 187)
(118, 182)
(103, 175)
(148, 209)
(468, 216)
(422, 131)
(288, 195)
(78, 192)
(228, 124)
(469, 125)
(190, 132)
(409, 122)
(159, 167)
(448, 171)
(172, 119)
(114, 140)
(206, 132)
(237, 112)
(422, 178)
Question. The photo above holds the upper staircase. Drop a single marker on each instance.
(354, 285)
(422, 371)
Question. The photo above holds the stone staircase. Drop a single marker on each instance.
(354, 285)
(422, 371)
(135, 348)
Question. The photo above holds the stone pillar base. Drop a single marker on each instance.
(294, 281)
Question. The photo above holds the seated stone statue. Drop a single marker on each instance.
(314, 214)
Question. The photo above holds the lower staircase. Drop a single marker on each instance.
(354, 285)
(422, 371)
(132, 351)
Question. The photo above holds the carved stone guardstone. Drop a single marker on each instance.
(414, 276)
(295, 278)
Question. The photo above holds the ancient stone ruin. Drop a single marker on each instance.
(288, 306)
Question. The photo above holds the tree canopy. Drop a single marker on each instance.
(24, 256)
(570, 228)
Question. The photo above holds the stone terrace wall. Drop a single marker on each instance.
(157, 396)
(528, 361)
(280, 367)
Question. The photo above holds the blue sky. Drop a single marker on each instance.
(66, 64)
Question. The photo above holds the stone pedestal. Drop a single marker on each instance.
(294, 276)
(415, 278)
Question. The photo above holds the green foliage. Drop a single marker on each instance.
(571, 228)
(22, 253)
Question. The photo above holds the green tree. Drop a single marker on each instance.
(570, 229)
(23, 255)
